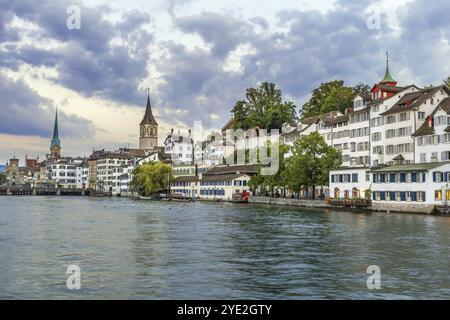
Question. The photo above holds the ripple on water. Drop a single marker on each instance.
(129, 249)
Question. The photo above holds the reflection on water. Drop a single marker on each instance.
(130, 249)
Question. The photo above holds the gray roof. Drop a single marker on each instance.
(411, 167)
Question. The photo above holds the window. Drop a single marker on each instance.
(423, 157)
(438, 195)
(421, 115)
(378, 150)
(390, 119)
(434, 156)
(403, 116)
(376, 136)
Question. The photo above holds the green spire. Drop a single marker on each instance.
(387, 75)
(55, 139)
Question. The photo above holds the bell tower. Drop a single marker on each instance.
(148, 136)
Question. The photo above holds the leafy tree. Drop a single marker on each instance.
(330, 96)
(270, 182)
(264, 108)
(338, 99)
(2, 178)
(313, 106)
(311, 163)
(152, 177)
(361, 88)
(447, 82)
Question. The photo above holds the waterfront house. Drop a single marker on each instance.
(350, 182)
(219, 183)
(411, 187)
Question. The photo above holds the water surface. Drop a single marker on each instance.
(131, 249)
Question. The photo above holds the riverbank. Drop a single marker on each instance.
(322, 204)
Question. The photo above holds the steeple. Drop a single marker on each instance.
(148, 117)
(387, 76)
(55, 146)
(55, 139)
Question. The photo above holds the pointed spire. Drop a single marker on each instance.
(387, 75)
(55, 138)
(148, 117)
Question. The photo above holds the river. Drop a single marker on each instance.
(134, 249)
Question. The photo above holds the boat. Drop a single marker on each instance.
(179, 197)
(145, 198)
(240, 197)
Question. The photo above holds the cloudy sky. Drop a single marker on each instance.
(197, 57)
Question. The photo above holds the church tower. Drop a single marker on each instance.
(148, 137)
(55, 145)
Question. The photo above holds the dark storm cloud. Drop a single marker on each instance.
(109, 60)
(316, 47)
(223, 32)
(25, 112)
(101, 59)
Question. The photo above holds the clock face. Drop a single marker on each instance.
(152, 131)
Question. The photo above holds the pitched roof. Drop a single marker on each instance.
(425, 129)
(228, 125)
(410, 167)
(335, 120)
(310, 120)
(412, 100)
(227, 169)
(148, 116)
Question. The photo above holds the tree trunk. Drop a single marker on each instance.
(314, 192)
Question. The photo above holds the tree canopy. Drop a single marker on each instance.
(152, 177)
(263, 107)
(447, 82)
(311, 163)
(329, 96)
(267, 183)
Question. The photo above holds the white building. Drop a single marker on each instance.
(411, 187)
(219, 183)
(181, 148)
(402, 119)
(66, 172)
(350, 182)
(432, 138)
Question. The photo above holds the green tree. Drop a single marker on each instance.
(314, 104)
(268, 183)
(2, 178)
(311, 163)
(338, 99)
(447, 82)
(330, 96)
(264, 108)
(361, 88)
(152, 177)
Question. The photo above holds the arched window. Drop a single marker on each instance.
(337, 193)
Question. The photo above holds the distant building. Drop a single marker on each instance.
(219, 183)
(55, 145)
(180, 147)
(67, 173)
